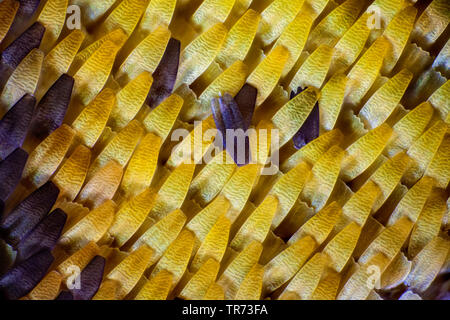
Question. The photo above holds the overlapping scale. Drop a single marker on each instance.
(104, 185)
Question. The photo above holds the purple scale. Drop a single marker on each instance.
(14, 125)
(11, 172)
(30, 39)
(25, 217)
(43, 236)
(165, 74)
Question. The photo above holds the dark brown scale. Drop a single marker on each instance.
(165, 74)
(30, 39)
(52, 108)
(22, 278)
(90, 279)
(310, 129)
(43, 236)
(24, 218)
(11, 172)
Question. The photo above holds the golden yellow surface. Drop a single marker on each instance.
(293, 114)
(91, 122)
(160, 235)
(281, 268)
(129, 100)
(198, 285)
(176, 257)
(215, 243)
(92, 75)
(52, 17)
(256, 227)
(102, 185)
(235, 273)
(92, 227)
(313, 71)
(157, 288)
(146, 56)
(158, 12)
(359, 212)
(198, 55)
(383, 102)
(70, 177)
(142, 166)
(362, 153)
(48, 155)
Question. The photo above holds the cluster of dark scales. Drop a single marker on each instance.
(235, 114)
(18, 49)
(310, 129)
(32, 232)
(23, 118)
(32, 228)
